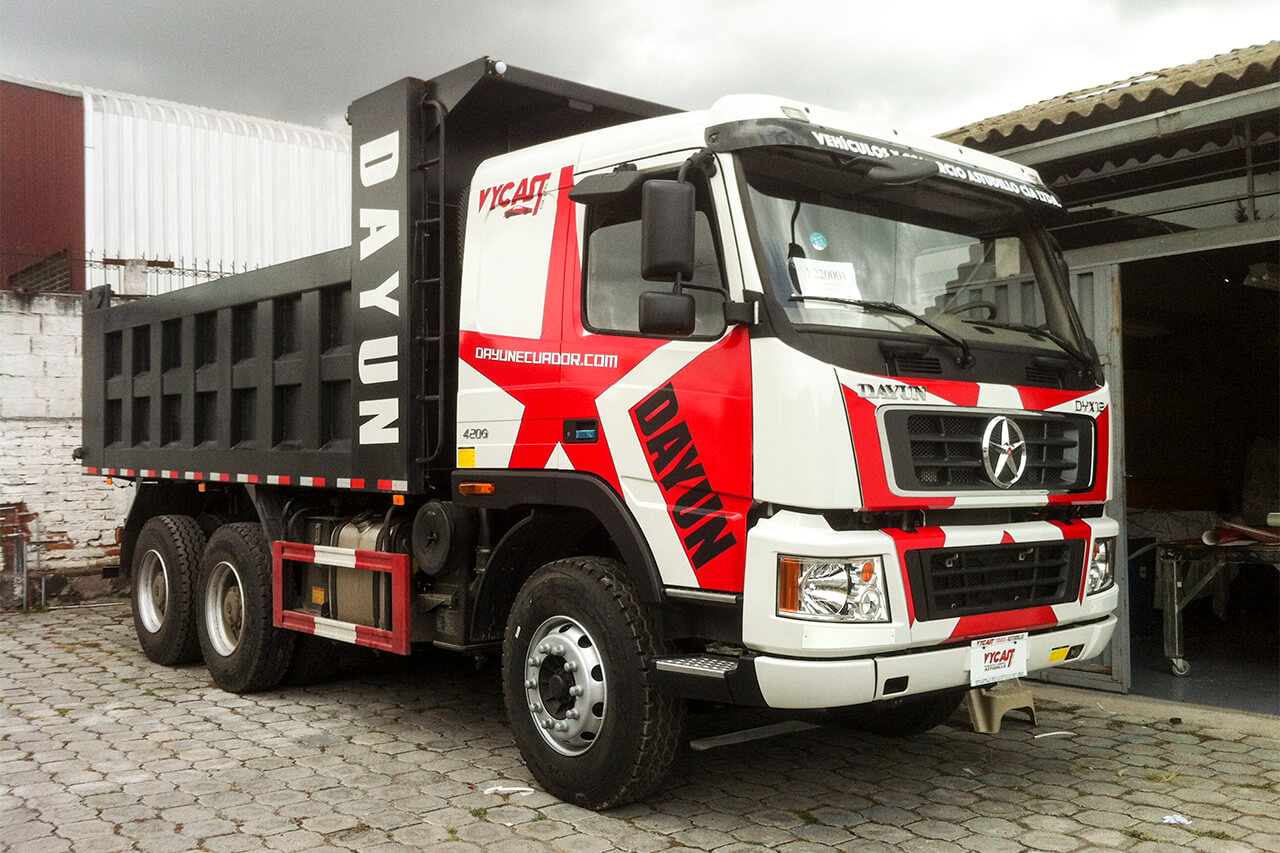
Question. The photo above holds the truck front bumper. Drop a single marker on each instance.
(779, 682)
(790, 683)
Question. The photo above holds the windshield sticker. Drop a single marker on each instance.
(763, 133)
(830, 279)
(951, 170)
(818, 240)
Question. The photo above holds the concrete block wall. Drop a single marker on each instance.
(74, 516)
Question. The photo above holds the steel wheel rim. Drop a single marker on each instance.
(152, 591)
(564, 685)
(224, 609)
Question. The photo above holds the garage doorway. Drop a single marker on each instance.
(1201, 401)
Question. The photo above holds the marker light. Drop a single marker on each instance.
(827, 590)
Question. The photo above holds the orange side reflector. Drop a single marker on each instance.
(398, 500)
(201, 487)
(868, 572)
(475, 488)
(789, 585)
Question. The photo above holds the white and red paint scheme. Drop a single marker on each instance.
(431, 424)
(693, 434)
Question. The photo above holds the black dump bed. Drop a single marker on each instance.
(337, 370)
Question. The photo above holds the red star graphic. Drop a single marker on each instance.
(553, 393)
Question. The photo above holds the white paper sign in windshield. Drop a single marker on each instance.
(829, 279)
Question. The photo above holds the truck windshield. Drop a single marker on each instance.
(945, 263)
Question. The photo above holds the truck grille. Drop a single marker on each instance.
(941, 451)
(951, 582)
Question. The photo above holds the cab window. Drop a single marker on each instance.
(612, 284)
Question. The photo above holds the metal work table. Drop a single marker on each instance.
(1173, 560)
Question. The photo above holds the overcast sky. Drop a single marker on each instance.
(926, 66)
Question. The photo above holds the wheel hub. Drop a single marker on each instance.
(158, 591)
(224, 608)
(565, 685)
(152, 591)
(231, 609)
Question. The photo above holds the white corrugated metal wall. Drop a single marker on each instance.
(211, 193)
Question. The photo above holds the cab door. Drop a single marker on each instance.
(665, 420)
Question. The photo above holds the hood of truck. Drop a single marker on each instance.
(827, 438)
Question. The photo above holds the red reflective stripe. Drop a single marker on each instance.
(295, 621)
(396, 565)
(375, 638)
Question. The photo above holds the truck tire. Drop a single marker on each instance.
(901, 717)
(166, 561)
(579, 693)
(244, 651)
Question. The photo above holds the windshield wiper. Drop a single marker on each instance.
(1058, 340)
(965, 359)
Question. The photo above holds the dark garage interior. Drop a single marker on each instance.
(1171, 184)
(1202, 422)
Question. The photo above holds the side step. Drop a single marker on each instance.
(705, 665)
(709, 677)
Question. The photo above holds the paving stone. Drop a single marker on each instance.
(102, 751)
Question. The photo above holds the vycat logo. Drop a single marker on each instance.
(516, 199)
(696, 509)
(1002, 657)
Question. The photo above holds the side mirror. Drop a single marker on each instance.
(666, 314)
(666, 231)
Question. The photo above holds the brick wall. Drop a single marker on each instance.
(51, 274)
(72, 517)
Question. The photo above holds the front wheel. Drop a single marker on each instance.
(242, 648)
(585, 714)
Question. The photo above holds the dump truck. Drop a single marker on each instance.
(751, 405)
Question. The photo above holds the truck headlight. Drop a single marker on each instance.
(832, 590)
(1101, 567)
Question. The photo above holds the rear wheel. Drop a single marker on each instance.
(242, 648)
(585, 714)
(166, 561)
(901, 717)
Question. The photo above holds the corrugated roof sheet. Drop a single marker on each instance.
(1141, 95)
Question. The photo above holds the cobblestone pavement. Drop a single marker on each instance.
(101, 750)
